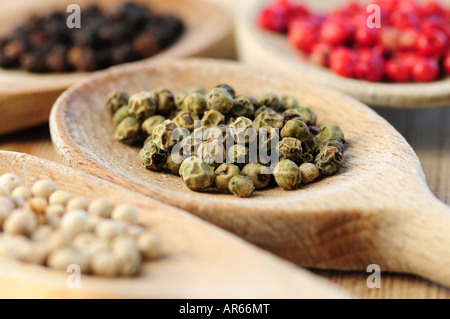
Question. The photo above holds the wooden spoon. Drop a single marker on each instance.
(199, 260)
(263, 48)
(26, 98)
(377, 210)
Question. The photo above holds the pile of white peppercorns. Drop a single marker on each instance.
(46, 226)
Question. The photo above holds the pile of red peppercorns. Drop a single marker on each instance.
(411, 44)
(126, 33)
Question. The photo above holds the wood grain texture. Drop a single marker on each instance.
(26, 98)
(267, 49)
(199, 260)
(378, 209)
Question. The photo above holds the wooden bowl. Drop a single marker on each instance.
(26, 98)
(198, 260)
(377, 210)
(263, 48)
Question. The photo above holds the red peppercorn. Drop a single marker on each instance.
(432, 43)
(425, 70)
(343, 61)
(446, 63)
(273, 18)
(370, 67)
(302, 35)
(397, 70)
(337, 31)
(365, 36)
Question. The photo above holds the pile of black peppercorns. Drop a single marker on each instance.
(129, 32)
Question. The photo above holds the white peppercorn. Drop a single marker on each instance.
(43, 188)
(60, 198)
(149, 246)
(125, 213)
(20, 222)
(77, 203)
(22, 191)
(63, 257)
(104, 264)
(75, 222)
(10, 181)
(55, 210)
(101, 207)
(108, 229)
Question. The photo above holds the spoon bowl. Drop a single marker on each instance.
(259, 47)
(26, 98)
(199, 260)
(373, 211)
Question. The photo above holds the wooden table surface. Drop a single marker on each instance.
(426, 130)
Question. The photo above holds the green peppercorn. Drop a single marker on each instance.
(238, 154)
(243, 106)
(229, 119)
(212, 152)
(274, 120)
(332, 142)
(189, 145)
(243, 130)
(142, 105)
(229, 89)
(259, 174)
(295, 128)
(186, 119)
(121, 114)
(310, 172)
(254, 101)
(179, 100)
(163, 135)
(212, 118)
(328, 132)
(271, 100)
(264, 109)
(129, 130)
(268, 142)
(329, 160)
(224, 173)
(173, 162)
(152, 157)
(196, 174)
(220, 100)
(241, 186)
(198, 89)
(220, 132)
(165, 101)
(289, 102)
(115, 100)
(290, 148)
(309, 116)
(149, 124)
(195, 103)
(287, 175)
(292, 114)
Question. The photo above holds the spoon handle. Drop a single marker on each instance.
(420, 242)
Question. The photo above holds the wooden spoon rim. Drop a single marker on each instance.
(200, 35)
(275, 50)
(192, 266)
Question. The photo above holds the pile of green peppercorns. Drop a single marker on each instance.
(203, 155)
